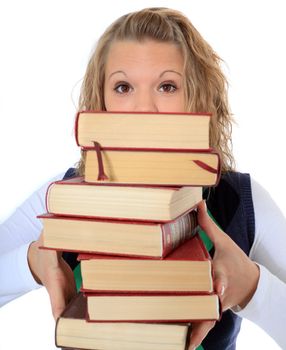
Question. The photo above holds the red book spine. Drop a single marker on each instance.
(176, 232)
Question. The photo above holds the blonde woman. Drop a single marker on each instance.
(154, 60)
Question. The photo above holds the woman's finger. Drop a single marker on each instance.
(199, 332)
(57, 300)
(206, 223)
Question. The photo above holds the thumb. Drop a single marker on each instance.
(208, 225)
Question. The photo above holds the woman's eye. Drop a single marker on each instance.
(122, 88)
(167, 87)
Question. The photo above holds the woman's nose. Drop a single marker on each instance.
(145, 102)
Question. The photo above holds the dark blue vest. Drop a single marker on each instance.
(231, 205)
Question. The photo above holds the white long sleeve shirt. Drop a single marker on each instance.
(267, 307)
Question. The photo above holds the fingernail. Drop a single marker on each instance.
(205, 204)
(192, 347)
(222, 290)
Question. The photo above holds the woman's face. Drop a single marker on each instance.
(144, 77)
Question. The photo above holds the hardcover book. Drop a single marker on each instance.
(117, 237)
(74, 197)
(72, 331)
(187, 269)
(147, 130)
(157, 167)
(126, 307)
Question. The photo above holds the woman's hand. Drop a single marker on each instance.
(49, 268)
(235, 275)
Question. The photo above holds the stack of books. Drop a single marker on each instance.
(146, 274)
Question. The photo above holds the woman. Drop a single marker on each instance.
(154, 60)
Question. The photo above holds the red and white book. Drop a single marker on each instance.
(75, 197)
(158, 307)
(188, 269)
(143, 129)
(117, 237)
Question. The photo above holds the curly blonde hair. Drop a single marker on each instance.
(205, 84)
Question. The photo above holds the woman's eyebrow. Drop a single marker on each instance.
(118, 71)
(170, 71)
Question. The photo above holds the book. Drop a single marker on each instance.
(105, 236)
(157, 167)
(143, 129)
(187, 269)
(72, 331)
(156, 307)
(74, 197)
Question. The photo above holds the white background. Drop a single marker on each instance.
(45, 46)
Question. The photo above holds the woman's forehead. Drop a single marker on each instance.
(131, 53)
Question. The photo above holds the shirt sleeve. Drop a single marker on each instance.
(16, 234)
(267, 308)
